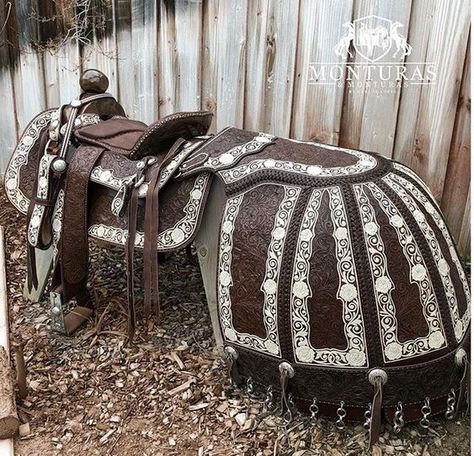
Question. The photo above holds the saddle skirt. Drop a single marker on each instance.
(336, 278)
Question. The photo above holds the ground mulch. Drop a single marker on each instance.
(167, 393)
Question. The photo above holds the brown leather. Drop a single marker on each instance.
(150, 257)
(32, 275)
(166, 131)
(77, 317)
(117, 134)
(278, 149)
(130, 248)
(376, 412)
(73, 246)
(135, 140)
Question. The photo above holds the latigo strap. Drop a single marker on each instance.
(151, 230)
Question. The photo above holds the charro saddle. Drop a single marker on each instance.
(328, 271)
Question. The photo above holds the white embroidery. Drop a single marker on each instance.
(393, 349)
(41, 193)
(20, 159)
(21, 155)
(460, 324)
(409, 172)
(364, 163)
(269, 287)
(57, 223)
(168, 239)
(236, 153)
(107, 177)
(355, 355)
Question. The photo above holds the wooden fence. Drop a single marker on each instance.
(248, 61)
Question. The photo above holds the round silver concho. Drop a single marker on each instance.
(59, 165)
(460, 356)
(231, 352)
(288, 368)
(375, 373)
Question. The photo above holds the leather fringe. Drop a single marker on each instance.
(285, 406)
(463, 396)
(376, 418)
(132, 228)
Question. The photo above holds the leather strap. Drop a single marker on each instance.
(73, 246)
(150, 257)
(132, 231)
(32, 275)
(463, 398)
(376, 410)
(151, 231)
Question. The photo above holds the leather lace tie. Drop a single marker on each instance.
(377, 377)
(286, 372)
(376, 418)
(463, 397)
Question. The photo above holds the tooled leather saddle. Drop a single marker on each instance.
(329, 271)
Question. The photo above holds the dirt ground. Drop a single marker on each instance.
(167, 393)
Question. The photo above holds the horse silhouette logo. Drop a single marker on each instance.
(373, 37)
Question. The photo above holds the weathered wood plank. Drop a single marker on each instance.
(180, 56)
(102, 52)
(424, 135)
(231, 56)
(69, 71)
(209, 59)
(28, 77)
(421, 25)
(272, 32)
(48, 30)
(456, 187)
(144, 60)
(8, 132)
(317, 107)
(464, 241)
(370, 115)
(125, 74)
(6, 445)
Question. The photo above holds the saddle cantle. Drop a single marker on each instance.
(329, 271)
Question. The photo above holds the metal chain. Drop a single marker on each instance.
(268, 402)
(426, 412)
(341, 413)
(368, 417)
(250, 386)
(314, 409)
(451, 402)
(398, 421)
(291, 401)
(230, 355)
(287, 417)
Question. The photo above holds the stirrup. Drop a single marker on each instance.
(67, 322)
